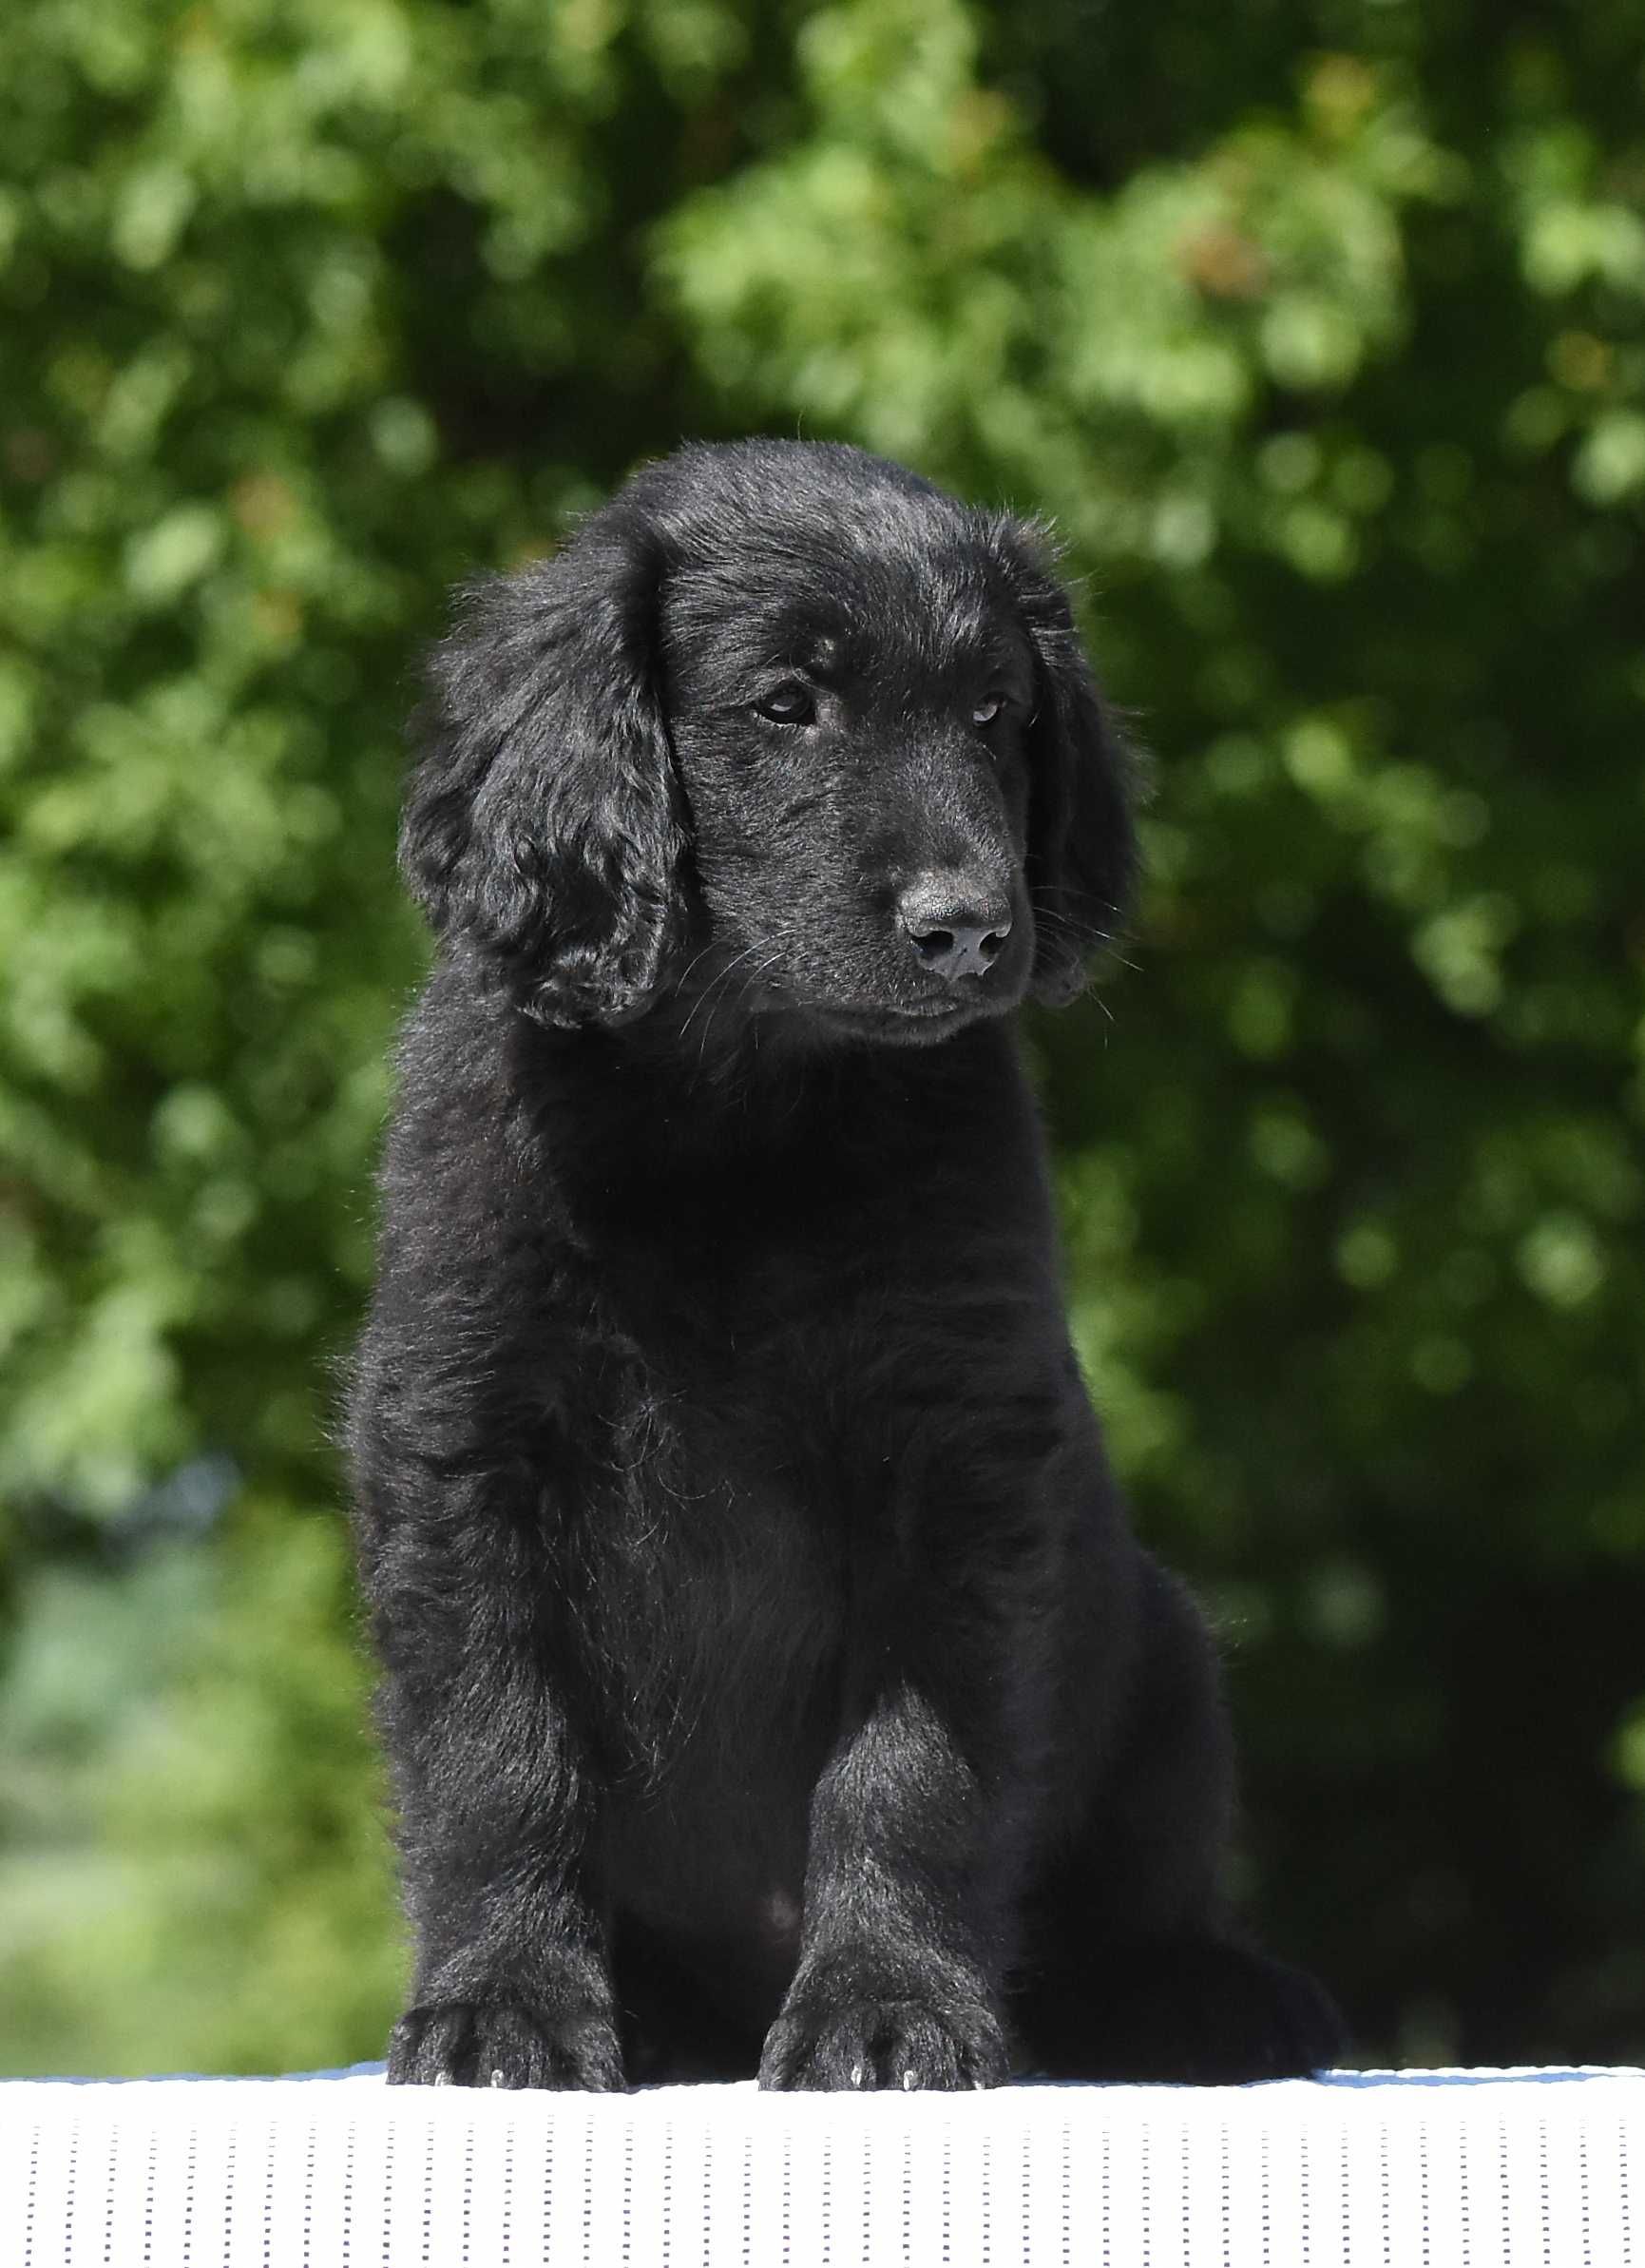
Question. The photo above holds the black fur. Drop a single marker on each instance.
(770, 1678)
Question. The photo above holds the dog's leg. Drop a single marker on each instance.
(896, 1982)
(512, 1987)
(1132, 1967)
(497, 1805)
(914, 1856)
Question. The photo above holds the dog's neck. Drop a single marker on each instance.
(659, 1103)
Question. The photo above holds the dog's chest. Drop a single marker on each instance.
(718, 1603)
(721, 1506)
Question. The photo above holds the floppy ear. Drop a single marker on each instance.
(1081, 857)
(543, 821)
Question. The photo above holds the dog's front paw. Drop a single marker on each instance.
(908, 2039)
(503, 2042)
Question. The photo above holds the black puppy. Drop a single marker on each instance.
(770, 1679)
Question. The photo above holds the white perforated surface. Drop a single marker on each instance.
(1399, 2171)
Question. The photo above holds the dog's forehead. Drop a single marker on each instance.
(847, 596)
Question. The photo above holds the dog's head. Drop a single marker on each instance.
(786, 724)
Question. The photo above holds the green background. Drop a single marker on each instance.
(1320, 331)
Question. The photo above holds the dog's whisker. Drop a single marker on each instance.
(721, 977)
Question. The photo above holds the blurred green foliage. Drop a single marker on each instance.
(1320, 331)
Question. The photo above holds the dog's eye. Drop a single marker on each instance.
(789, 705)
(988, 709)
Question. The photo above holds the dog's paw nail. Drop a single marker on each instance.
(910, 2083)
(496, 2079)
(856, 2075)
(442, 2078)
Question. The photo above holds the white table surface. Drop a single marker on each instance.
(1402, 2170)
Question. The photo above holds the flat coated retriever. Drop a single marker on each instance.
(771, 1680)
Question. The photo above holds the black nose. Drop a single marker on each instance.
(955, 924)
